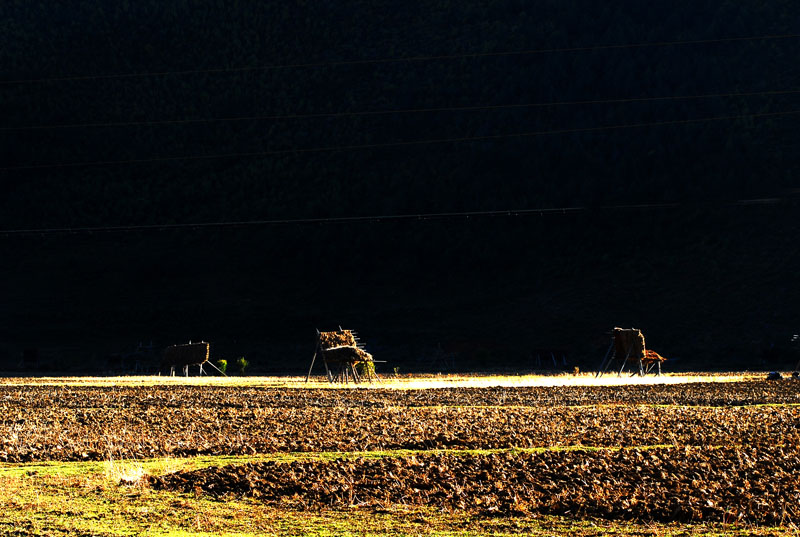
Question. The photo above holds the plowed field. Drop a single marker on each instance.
(693, 452)
(760, 485)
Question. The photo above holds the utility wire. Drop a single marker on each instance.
(337, 63)
(396, 111)
(407, 143)
(387, 217)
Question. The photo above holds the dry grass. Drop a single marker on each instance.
(390, 382)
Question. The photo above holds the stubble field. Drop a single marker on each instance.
(457, 459)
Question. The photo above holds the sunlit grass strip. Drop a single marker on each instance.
(130, 470)
(403, 383)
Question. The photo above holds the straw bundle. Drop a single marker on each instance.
(629, 340)
(652, 357)
(346, 354)
(187, 354)
(342, 338)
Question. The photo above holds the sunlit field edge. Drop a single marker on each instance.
(392, 381)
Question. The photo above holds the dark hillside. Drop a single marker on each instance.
(160, 113)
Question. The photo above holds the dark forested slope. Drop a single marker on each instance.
(169, 112)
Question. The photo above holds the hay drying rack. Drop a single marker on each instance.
(627, 344)
(342, 352)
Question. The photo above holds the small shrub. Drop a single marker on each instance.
(365, 369)
(242, 364)
(222, 365)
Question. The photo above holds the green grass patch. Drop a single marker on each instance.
(130, 469)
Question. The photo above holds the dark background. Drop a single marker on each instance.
(711, 281)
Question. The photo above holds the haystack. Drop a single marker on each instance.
(629, 342)
(341, 338)
(185, 355)
(346, 354)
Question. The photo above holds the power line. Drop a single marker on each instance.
(407, 143)
(398, 111)
(440, 57)
(388, 217)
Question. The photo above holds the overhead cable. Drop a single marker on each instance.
(189, 121)
(406, 143)
(388, 217)
(408, 59)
